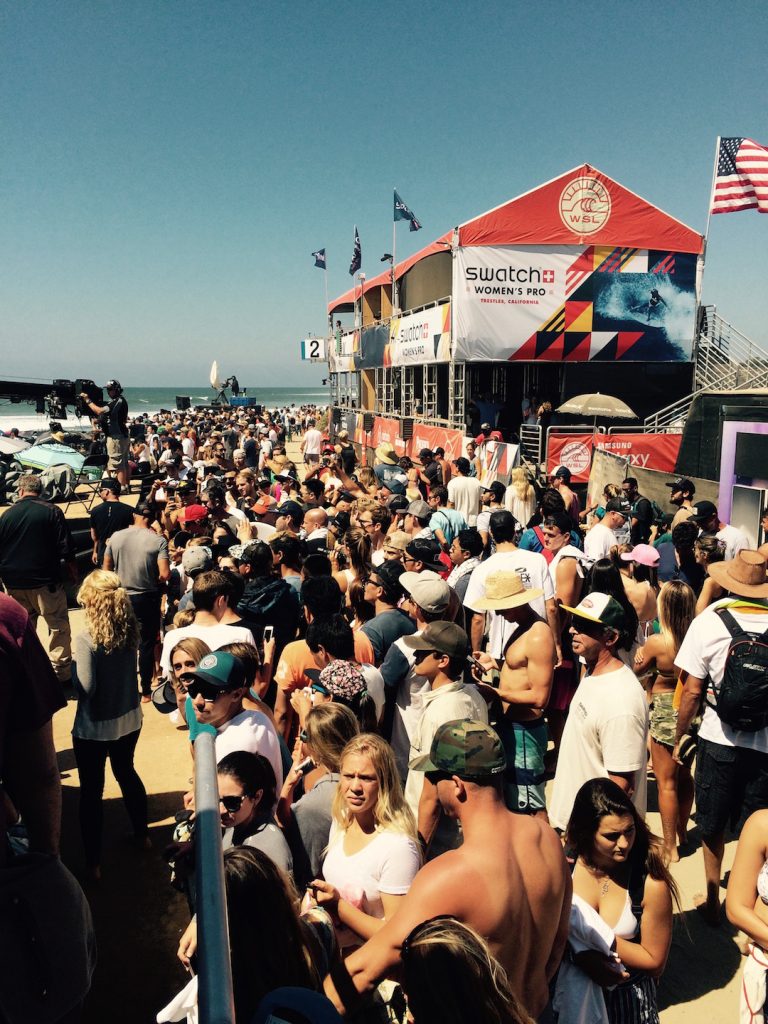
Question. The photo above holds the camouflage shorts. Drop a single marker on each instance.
(663, 719)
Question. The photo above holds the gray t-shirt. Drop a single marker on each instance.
(312, 817)
(262, 834)
(134, 552)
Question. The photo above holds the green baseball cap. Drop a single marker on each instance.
(466, 748)
(221, 670)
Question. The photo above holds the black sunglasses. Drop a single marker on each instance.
(208, 693)
(419, 656)
(232, 804)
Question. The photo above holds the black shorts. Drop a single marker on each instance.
(731, 783)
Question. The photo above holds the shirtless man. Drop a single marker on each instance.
(523, 686)
(509, 880)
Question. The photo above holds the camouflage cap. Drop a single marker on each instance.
(466, 748)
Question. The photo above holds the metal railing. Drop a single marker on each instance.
(214, 994)
(726, 360)
(532, 442)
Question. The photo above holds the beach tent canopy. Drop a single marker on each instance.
(550, 215)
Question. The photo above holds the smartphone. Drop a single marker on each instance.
(305, 766)
(476, 664)
(269, 632)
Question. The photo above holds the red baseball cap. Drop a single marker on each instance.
(194, 513)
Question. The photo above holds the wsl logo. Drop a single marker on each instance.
(585, 205)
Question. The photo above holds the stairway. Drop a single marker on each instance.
(726, 360)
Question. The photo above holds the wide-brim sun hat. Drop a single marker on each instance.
(744, 575)
(505, 590)
(386, 454)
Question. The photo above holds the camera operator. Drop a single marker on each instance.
(114, 420)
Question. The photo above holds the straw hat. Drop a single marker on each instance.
(506, 590)
(385, 453)
(744, 575)
(397, 540)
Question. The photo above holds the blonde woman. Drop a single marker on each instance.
(677, 609)
(373, 854)
(520, 497)
(450, 977)
(108, 718)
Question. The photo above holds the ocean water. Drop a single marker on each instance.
(151, 400)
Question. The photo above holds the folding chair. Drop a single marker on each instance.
(88, 482)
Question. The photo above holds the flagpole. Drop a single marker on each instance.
(712, 193)
(394, 259)
(700, 274)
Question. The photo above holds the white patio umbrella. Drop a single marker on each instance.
(598, 405)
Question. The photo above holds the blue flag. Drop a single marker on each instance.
(403, 213)
(357, 255)
(319, 258)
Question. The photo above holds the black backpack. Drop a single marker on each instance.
(742, 698)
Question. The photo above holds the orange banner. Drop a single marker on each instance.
(387, 431)
(648, 451)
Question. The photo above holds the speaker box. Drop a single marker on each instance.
(182, 402)
(407, 429)
(336, 417)
(368, 419)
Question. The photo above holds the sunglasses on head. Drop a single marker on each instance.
(232, 804)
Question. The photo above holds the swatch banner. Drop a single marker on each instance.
(387, 431)
(419, 338)
(646, 451)
(573, 303)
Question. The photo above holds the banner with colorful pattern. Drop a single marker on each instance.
(573, 303)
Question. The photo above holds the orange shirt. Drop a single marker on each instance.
(297, 658)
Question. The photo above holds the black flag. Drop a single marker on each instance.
(357, 255)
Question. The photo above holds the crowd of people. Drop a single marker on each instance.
(395, 660)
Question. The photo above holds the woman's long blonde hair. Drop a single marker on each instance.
(677, 610)
(521, 482)
(450, 977)
(392, 813)
(109, 614)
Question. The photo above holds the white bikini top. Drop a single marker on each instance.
(762, 883)
(626, 926)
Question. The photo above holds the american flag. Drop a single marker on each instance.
(741, 182)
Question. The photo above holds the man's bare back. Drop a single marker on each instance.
(509, 881)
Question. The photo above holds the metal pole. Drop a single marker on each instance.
(214, 997)
(394, 260)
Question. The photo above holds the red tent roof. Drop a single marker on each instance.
(582, 206)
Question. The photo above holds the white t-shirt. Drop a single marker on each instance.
(606, 732)
(734, 540)
(313, 439)
(703, 653)
(411, 688)
(388, 864)
(215, 636)
(535, 573)
(251, 731)
(465, 493)
(445, 704)
(598, 541)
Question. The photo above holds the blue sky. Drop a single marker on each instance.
(168, 167)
